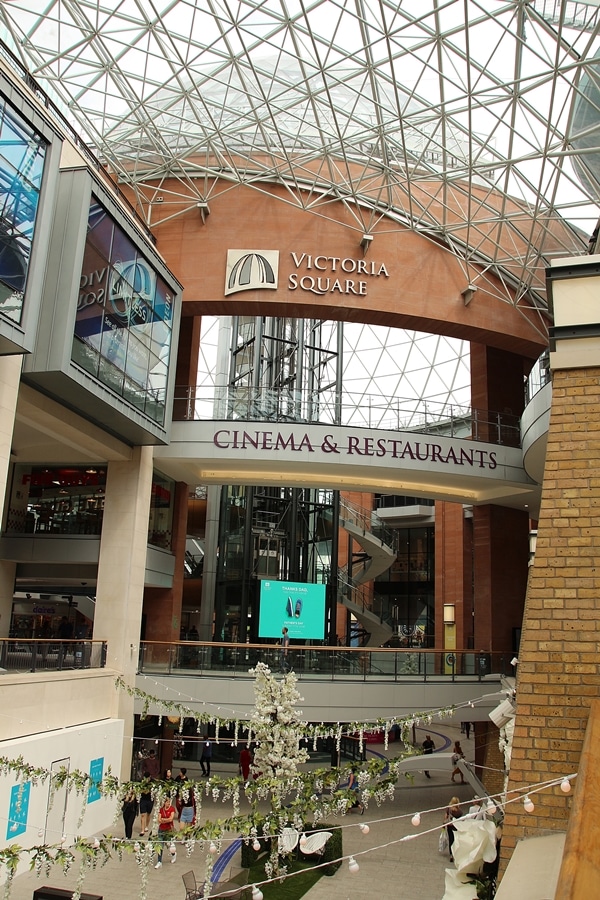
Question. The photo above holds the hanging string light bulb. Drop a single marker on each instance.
(364, 828)
(565, 785)
(528, 804)
(257, 894)
(353, 866)
(416, 819)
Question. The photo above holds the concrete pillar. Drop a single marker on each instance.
(453, 576)
(121, 571)
(7, 586)
(500, 569)
(209, 577)
(10, 373)
(500, 535)
(558, 673)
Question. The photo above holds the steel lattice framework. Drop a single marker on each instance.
(454, 118)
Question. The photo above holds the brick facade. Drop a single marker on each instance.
(558, 673)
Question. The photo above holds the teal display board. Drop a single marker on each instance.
(96, 773)
(18, 810)
(296, 606)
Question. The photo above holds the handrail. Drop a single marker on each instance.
(369, 521)
(259, 404)
(311, 661)
(51, 654)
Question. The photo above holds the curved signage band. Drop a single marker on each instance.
(346, 458)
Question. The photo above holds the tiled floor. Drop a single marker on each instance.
(389, 868)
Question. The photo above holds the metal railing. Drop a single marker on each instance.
(368, 521)
(49, 655)
(320, 662)
(249, 404)
(364, 597)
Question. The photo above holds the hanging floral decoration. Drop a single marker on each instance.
(294, 797)
(309, 731)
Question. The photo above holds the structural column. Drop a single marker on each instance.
(10, 373)
(558, 673)
(500, 535)
(121, 574)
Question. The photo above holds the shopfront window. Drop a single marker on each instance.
(56, 500)
(160, 527)
(22, 154)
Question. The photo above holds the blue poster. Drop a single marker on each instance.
(18, 810)
(96, 773)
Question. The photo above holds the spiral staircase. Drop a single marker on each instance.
(377, 543)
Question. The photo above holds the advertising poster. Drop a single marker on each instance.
(298, 607)
(18, 810)
(96, 772)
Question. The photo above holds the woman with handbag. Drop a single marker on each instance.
(453, 812)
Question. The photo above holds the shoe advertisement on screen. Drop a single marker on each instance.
(296, 606)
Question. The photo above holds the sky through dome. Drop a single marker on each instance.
(454, 119)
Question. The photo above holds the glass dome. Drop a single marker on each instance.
(451, 119)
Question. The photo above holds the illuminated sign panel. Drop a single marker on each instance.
(297, 606)
(124, 319)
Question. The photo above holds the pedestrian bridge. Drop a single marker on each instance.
(343, 457)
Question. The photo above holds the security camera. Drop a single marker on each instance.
(503, 713)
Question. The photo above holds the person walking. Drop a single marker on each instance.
(166, 818)
(129, 809)
(354, 786)
(285, 643)
(457, 755)
(151, 766)
(428, 748)
(206, 756)
(245, 763)
(187, 807)
(453, 812)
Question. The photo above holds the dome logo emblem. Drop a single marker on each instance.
(248, 270)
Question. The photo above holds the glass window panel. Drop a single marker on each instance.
(89, 319)
(125, 311)
(22, 155)
(157, 377)
(138, 358)
(85, 356)
(100, 230)
(114, 342)
(110, 375)
(163, 303)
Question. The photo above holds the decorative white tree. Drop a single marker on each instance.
(278, 733)
(276, 727)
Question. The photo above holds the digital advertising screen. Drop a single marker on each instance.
(298, 607)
